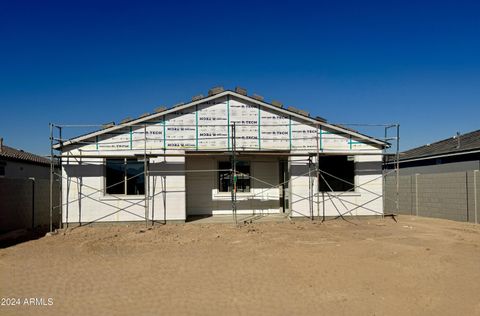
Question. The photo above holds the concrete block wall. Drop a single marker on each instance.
(18, 169)
(406, 195)
(473, 195)
(452, 195)
(21, 209)
(42, 203)
(443, 195)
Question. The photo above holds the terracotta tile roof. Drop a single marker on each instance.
(15, 154)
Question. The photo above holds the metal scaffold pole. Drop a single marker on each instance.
(384, 177)
(390, 163)
(317, 173)
(233, 177)
(60, 208)
(145, 168)
(80, 192)
(51, 176)
(397, 168)
(310, 187)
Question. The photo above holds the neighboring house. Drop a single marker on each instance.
(441, 179)
(24, 191)
(178, 162)
(458, 153)
(15, 163)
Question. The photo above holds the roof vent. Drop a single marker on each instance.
(258, 97)
(160, 109)
(298, 111)
(276, 103)
(321, 119)
(215, 90)
(241, 90)
(125, 120)
(458, 140)
(197, 97)
(108, 125)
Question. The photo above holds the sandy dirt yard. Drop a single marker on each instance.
(417, 266)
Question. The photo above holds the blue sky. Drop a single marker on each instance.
(81, 62)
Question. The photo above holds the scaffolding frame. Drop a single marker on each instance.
(314, 170)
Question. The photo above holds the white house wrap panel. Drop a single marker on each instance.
(274, 130)
(213, 125)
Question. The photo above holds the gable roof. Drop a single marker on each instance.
(20, 155)
(298, 114)
(453, 145)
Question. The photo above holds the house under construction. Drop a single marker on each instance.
(226, 153)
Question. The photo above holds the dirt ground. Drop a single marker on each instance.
(417, 266)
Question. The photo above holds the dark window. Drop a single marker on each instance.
(135, 177)
(337, 173)
(124, 176)
(243, 176)
(115, 176)
(2, 168)
(224, 176)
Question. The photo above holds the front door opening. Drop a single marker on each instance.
(284, 189)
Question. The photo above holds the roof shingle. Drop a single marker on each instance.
(465, 142)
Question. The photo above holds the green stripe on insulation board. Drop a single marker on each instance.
(131, 140)
(259, 131)
(164, 134)
(290, 130)
(196, 127)
(228, 122)
(320, 131)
